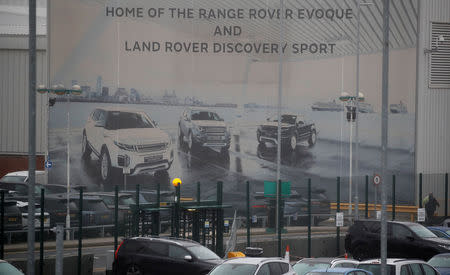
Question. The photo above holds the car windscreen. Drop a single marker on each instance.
(13, 179)
(440, 261)
(289, 119)
(422, 231)
(305, 267)
(202, 252)
(126, 120)
(127, 201)
(93, 205)
(375, 268)
(52, 189)
(234, 269)
(204, 115)
(6, 268)
(325, 273)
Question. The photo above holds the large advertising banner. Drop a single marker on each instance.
(191, 89)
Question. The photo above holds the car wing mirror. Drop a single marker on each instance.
(188, 258)
(410, 238)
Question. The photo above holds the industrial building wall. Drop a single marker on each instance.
(433, 114)
(14, 108)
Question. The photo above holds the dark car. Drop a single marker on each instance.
(13, 216)
(95, 211)
(440, 231)
(56, 206)
(142, 255)
(441, 263)
(405, 240)
(294, 129)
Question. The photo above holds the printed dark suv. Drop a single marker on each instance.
(405, 240)
(145, 255)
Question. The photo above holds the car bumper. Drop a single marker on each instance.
(274, 140)
(206, 141)
(142, 163)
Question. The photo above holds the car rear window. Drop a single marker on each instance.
(202, 252)
(305, 267)
(13, 179)
(375, 268)
(234, 269)
(440, 261)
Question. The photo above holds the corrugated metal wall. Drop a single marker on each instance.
(433, 114)
(14, 102)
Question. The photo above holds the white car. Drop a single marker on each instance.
(22, 177)
(127, 140)
(306, 265)
(253, 266)
(399, 267)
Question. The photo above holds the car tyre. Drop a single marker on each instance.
(312, 139)
(190, 142)
(85, 148)
(361, 252)
(105, 166)
(258, 137)
(134, 269)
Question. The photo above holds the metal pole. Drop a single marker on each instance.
(41, 247)
(68, 169)
(309, 218)
(420, 190)
(280, 90)
(446, 194)
(338, 209)
(177, 211)
(116, 216)
(248, 213)
(358, 15)
(366, 214)
(220, 221)
(384, 133)
(80, 231)
(393, 197)
(280, 217)
(350, 178)
(59, 259)
(31, 133)
(2, 225)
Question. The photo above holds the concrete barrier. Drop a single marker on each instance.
(70, 265)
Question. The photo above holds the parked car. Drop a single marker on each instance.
(253, 266)
(440, 231)
(199, 127)
(294, 129)
(8, 269)
(405, 240)
(306, 265)
(95, 212)
(22, 177)
(56, 206)
(399, 267)
(127, 140)
(23, 207)
(13, 216)
(144, 255)
(441, 263)
(19, 190)
(339, 271)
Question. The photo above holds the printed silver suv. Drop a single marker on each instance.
(126, 139)
(203, 128)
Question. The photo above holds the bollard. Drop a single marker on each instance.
(116, 216)
(393, 197)
(338, 209)
(309, 218)
(59, 259)
(41, 247)
(80, 232)
(219, 237)
(420, 190)
(280, 217)
(248, 214)
(446, 194)
(177, 211)
(2, 225)
(366, 212)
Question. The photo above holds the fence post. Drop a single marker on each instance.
(116, 216)
(309, 218)
(248, 214)
(280, 217)
(156, 222)
(420, 190)
(393, 197)
(446, 194)
(137, 212)
(196, 218)
(80, 231)
(59, 259)
(366, 214)
(220, 221)
(338, 209)
(177, 211)
(2, 225)
(41, 248)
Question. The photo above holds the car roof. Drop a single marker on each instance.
(24, 173)
(443, 228)
(337, 269)
(253, 260)
(205, 109)
(119, 109)
(378, 221)
(178, 241)
(327, 260)
(391, 261)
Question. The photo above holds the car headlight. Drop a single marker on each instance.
(125, 146)
(199, 129)
(444, 246)
(259, 128)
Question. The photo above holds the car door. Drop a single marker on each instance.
(152, 257)
(177, 264)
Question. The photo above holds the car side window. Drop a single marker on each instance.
(102, 117)
(345, 265)
(177, 252)
(415, 269)
(156, 248)
(404, 270)
(400, 232)
(264, 270)
(438, 233)
(360, 273)
(275, 268)
(428, 270)
(284, 267)
(95, 115)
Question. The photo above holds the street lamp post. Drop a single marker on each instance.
(59, 89)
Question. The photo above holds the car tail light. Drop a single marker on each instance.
(117, 250)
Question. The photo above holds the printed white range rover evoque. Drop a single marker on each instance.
(126, 139)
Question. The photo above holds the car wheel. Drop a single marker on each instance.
(105, 166)
(258, 137)
(312, 139)
(293, 142)
(85, 149)
(361, 252)
(190, 141)
(134, 269)
(180, 136)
